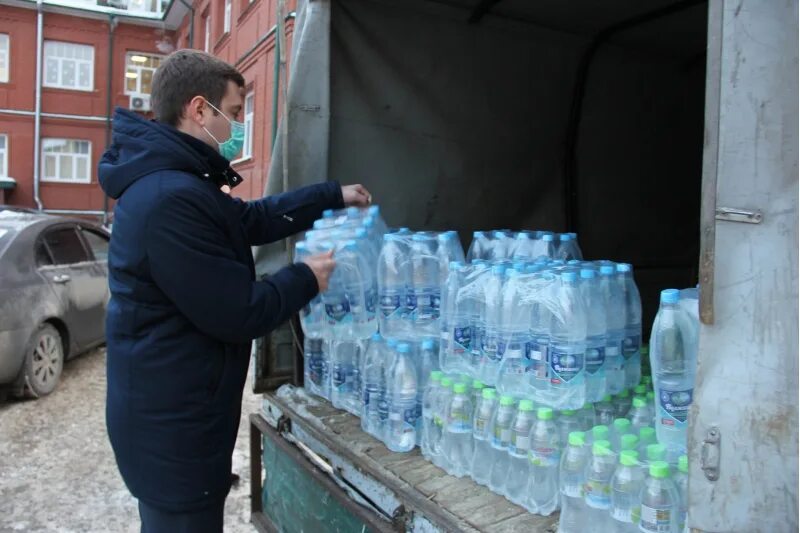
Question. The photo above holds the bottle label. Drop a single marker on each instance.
(546, 457)
(631, 346)
(501, 350)
(343, 377)
(501, 437)
(614, 363)
(462, 339)
(623, 514)
(459, 422)
(595, 357)
(655, 520)
(481, 425)
(423, 304)
(519, 445)
(566, 366)
(383, 408)
(370, 300)
(337, 312)
(390, 303)
(371, 396)
(536, 351)
(317, 367)
(675, 405)
(572, 490)
(597, 494)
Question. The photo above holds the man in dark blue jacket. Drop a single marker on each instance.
(185, 304)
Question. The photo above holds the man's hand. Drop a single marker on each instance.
(356, 196)
(321, 265)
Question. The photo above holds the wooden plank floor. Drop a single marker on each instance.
(453, 503)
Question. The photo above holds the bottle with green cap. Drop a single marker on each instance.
(567, 422)
(587, 417)
(682, 482)
(428, 426)
(660, 502)
(622, 403)
(639, 415)
(441, 403)
(501, 439)
(598, 432)
(620, 427)
(604, 411)
(647, 436)
(482, 436)
(457, 439)
(544, 456)
(597, 487)
(477, 390)
(629, 442)
(401, 379)
(517, 482)
(626, 485)
(571, 480)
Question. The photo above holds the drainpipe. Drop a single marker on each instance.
(112, 24)
(37, 121)
(191, 23)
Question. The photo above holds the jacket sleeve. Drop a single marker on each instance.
(192, 262)
(276, 217)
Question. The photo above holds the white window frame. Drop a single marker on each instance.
(61, 61)
(5, 151)
(75, 157)
(249, 118)
(226, 21)
(132, 64)
(5, 53)
(207, 47)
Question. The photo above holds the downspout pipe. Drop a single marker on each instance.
(37, 120)
(112, 23)
(191, 22)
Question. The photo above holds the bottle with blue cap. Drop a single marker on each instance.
(499, 245)
(524, 244)
(456, 329)
(448, 249)
(316, 367)
(673, 357)
(401, 428)
(393, 278)
(312, 316)
(426, 361)
(429, 428)
(480, 247)
(349, 313)
(616, 318)
(632, 343)
(548, 247)
(595, 336)
(373, 387)
(423, 296)
(517, 310)
(568, 345)
(567, 248)
(537, 351)
(494, 344)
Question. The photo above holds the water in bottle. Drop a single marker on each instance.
(548, 247)
(482, 436)
(315, 367)
(402, 397)
(598, 433)
(654, 453)
(479, 277)
(544, 456)
(568, 346)
(620, 427)
(647, 436)
(587, 417)
(373, 387)
(538, 349)
(524, 246)
(595, 336)
(429, 427)
(440, 406)
(568, 248)
(500, 242)
(517, 310)
(567, 422)
(345, 378)
(571, 480)
(448, 249)
(500, 430)
(632, 344)
(614, 304)
(346, 309)
(423, 296)
(457, 446)
(673, 356)
(454, 354)
(605, 411)
(660, 502)
(477, 393)
(629, 442)
(519, 466)
(494, 344)
(640, 415)
(312, 316)
(597, 486)
(682, 483)
(622, 403)
(393, 278)
(626, 485)
(480, 247)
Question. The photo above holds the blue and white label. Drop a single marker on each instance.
(390, 302)
(537, 351)
(337, 312)
(674, 405)
(370, 301)
(383, 407)
(566, 365)
(344, 377)
(423, 304)
(595, 358)
(631, 345)
(462, 339)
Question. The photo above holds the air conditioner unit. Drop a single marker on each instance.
(140, 102)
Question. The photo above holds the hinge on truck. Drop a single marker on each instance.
(284, 425)
(733, 214)
(710, 454)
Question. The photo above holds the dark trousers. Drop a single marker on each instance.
(207, 520)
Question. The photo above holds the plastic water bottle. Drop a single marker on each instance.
(373, 387)
(345, 378)
(566, 248)
(597, 487)
(647, 436)
(316, 367)
(615, 323)
(480, 276)
(493, 345)
(393, 277)
(402, 394)
(682, 483)
(673, 353)
(598, 433)
(499, 246)
(595, 336)
(605, 411)
(538, 349)
(448, 250)
(519, 465)
(548, 246)
(426, 362)
(568, 421)
(574, 512)
(440, 406)
(629, 442)
(626, 485)
(458, 432)
(480, 247)
(423, 297)
(454, 355)
(568, 346)
(545, 457)
(312, 316)
(587, 417)
(501, 439)
(622, 403)
(482, 436)
(660, 501)
(632, 344)
(621, 426)
(429, 427)
(347, 314)
(654, 454)
(517, 310)
(639, 415)
(476, 395)
(524, 246)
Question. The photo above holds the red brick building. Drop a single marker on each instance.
(98, 57)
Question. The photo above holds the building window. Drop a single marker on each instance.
(249, 102)
(3, 156)
(139, 70)
(5, 58)
(68, 66)
(66, 160)
(207, 45)
(226, 24)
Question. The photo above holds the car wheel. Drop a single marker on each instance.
(44, 361)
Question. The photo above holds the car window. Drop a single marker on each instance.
(98, 243)
(43, 255)
(65, 246)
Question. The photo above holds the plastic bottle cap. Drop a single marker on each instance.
(606, 270)
(601, 447)
(417, 237)
(651, 395)
(647, 433)
(573, 234)
(607, 398)
(659, 470)
(476, 234)
(577, 438)
(638, 402)
(318, 224)
(640, 390)
(568, 412)
(511, 272)
(437, 375)
(498, 235)
(454, 265)
(427, 344)
(328, 213)
(600, 432)
(391, 237)
(498, 269)
(523, 236)
(506, 400)
(369, 222)
(544, 413)
(646, 380)
(447, 382)
(489, 393)
(565, 237)
(622, 424)
(683, 464)
(376, 337)
(460, 388)
(391, 342)
(374, 210)
(476, 384)
(519, 266)
(351, 244)
(623, 267)
(656, 452)
(569, 277)
(573, 262)
(629, 441)
(403, 347)
(670, 296)
(525, 405)
(624, 394)
(645, 350)
(548, 237)
(629, 457)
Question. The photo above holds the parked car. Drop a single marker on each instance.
(53, 296)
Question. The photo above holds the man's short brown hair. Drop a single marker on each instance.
(186, 74)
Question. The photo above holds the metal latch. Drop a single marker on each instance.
(733, 214)
(710, 454)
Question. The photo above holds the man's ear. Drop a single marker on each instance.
(194, 110)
